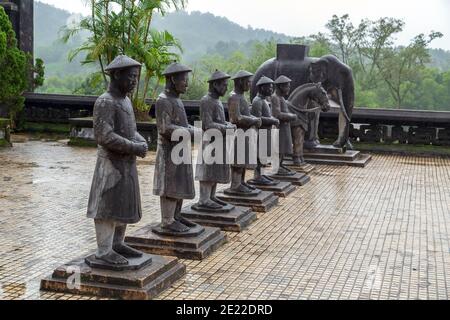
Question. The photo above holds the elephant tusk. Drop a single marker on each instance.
(341, 103)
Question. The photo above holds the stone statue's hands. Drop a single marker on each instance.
(231, 126)
(258, 122)
(293, 117)
(141, 149)
(276, 122)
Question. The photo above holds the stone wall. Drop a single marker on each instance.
(369, 125)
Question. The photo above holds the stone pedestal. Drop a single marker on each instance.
(298, 179)
(306, 168)
(144, 278)
(326, 154)
(194, 245)
(281, 189)
(262, 202)
(234, 220)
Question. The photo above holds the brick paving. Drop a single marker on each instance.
(381, 232)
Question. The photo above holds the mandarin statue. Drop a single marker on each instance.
(173, 182)
(114, 199)
(239, 113)
(280, 110)
(212, 115)
(261, 109)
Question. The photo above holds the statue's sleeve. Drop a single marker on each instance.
(236, 117)
(104, 114)
(139, 138)
(164, 119)
(207, 117)
(277, 113)
(256, 111)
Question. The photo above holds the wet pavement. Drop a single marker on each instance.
(381, 232)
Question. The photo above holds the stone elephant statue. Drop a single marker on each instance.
(335, 76)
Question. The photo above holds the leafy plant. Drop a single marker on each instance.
(124, 27)
(17, 70)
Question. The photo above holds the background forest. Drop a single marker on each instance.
(412, 77)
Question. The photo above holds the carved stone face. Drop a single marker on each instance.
(126, 80)
(181, 82)
(221, 87)
(266, 89)
(244, 83)
(318, 72)
(285, 89)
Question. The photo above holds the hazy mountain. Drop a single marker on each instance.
(198, 32)
(440, 59)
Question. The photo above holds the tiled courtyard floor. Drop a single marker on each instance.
(381, 232)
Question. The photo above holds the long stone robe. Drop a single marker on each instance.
(115, 193)
(171, 180)
(261, 109)
(212, 115)
(280, 111)
(239, 112)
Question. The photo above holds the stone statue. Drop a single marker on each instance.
(336, 77)
(280, 111)
(262, 110)
(114, 199)
(212, 115)
(172, 182)
(239, 112)
(308, 99)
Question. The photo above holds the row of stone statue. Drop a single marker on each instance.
(115, 197)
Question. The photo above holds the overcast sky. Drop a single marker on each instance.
(299, 17)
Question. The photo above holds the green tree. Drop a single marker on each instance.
(401, 67)
(14, 69)
(124, 27)
(346, 36)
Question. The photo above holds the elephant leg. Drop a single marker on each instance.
(344, 133)
(299, 137)
(312, 135)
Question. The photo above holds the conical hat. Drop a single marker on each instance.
(264, 80)
(121, 62)
(242, 74)
(219, 75)
(176, 67)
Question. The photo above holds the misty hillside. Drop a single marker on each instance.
(198, 32)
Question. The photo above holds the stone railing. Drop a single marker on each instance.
(369, 125)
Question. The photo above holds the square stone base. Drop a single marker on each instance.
(235, 221)
(329, 155)
(282, 189)
(195, 248)
(263, 202)
(299, 179)
(306, 168)
(78, 278)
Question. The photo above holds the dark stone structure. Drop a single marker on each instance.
(21, 14)
(336, 77)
